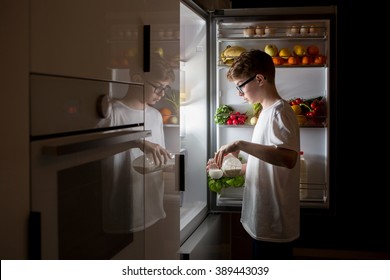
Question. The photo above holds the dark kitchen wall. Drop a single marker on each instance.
(362, 207)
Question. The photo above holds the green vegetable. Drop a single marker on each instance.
(307, 107)
(257, 109)
(222, 114)
(216, 185)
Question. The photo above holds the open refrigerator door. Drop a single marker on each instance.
(204, 89)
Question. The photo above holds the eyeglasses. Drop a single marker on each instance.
(160, 89)
(239, 87)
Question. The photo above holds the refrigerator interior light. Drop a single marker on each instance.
(183, 92)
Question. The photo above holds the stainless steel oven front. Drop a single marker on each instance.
(72, 162)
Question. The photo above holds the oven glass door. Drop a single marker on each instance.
(83, 206)
(90, 197)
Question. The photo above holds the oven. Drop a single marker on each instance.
(79, 210)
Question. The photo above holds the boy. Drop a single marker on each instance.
(271, 205)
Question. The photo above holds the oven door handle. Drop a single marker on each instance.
(92, 141)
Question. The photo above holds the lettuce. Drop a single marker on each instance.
(222, 114)
(216, 185)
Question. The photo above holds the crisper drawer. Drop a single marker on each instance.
(313, 195)
(230, 197)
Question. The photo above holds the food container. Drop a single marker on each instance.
(249, 31)
(215, 173)
(231, 166)
(145, 164)
(227, 177)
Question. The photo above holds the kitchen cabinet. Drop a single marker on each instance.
(75, 39)
(14, 148)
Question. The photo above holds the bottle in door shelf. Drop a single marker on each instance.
(303, 192)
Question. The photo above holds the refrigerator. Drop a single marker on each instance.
(204, 88)
(112, 42)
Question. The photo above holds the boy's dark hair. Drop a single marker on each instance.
(250, 63)
(160, 69)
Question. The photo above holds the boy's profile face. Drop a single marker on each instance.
(155, 90)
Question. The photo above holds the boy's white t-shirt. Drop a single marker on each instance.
(129, 202)
(271, 205)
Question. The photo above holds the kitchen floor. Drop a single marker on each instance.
(327, 254)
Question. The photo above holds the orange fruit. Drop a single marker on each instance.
(313, 50)
(294, 60)
(277, 60)
(320, 59)
(306, 60)
(166, 113)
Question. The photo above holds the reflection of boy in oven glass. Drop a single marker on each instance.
(130, 203)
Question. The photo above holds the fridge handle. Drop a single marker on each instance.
(98, 141)
(180, 177)
(146, 48)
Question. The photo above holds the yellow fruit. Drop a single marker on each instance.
(299, 50)
(297, 109)
(271, 50)
(231, 52)
(301, 119)
(285, 53)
